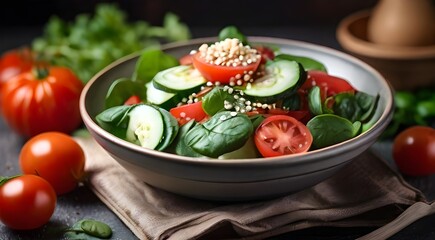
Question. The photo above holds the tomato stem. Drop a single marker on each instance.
(3, 179)
(41, 72)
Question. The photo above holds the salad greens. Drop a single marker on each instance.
(151, 62)
(90, 43)
(415, 107)
(329, 129)
(278, 112)
(88, 229)
(225, 132)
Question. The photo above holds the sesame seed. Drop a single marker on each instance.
(223, 118)
(182, 114)
(233, 114)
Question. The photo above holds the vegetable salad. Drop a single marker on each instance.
(231, 99)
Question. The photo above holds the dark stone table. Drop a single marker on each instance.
(82, 203)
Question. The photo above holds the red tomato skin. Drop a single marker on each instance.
(31, 106)
(56, 157)
(222, 74)
(414, 151)
(271, 128)
(185, 113)
(186, 60)
(266, 53)
(27, 202)
(329, 84)
(300, 115)
(133, 100)
(14, 62)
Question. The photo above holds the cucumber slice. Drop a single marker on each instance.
(145, 127)
(170, 129)
(160, 98)
(282, 79)
(179, 79)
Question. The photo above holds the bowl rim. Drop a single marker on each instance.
(294, 159)
(360, 46)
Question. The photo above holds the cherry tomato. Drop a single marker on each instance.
(135, 99)
(281, 135)
(186, 60)
(222, 74)
(27, 202)
(329, 85)
(56, 157)
(14, 62)
(185, 113)
(414, 151)
(43, 100)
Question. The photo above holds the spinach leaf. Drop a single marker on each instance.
(88, 229)
(315, 101)
(180, 145)
(346, 105)
(307, 63)
(257, 120)
(121, 90)
(232, 32)
(329, 129)
(367, 103)
(150, 62)
(214, 101)
(224, 132)
(292, 102)
(114, 120)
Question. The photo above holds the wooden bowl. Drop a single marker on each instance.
(406, 68)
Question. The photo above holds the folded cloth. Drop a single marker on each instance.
(364, 193)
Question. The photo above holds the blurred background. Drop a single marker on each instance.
(195, 13)
(26, 18)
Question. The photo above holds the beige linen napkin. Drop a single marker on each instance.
(365, 193)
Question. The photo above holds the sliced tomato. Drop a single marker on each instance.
(222, 74)
(135, 99)
(186, 60)
(282, 135)
(185, 113)
(329, 85)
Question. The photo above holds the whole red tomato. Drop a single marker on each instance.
(27, 202)
(414, 151)
(46, 99)
(14, 62)
(56, 157)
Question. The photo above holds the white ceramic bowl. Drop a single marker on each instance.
(242, 179)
